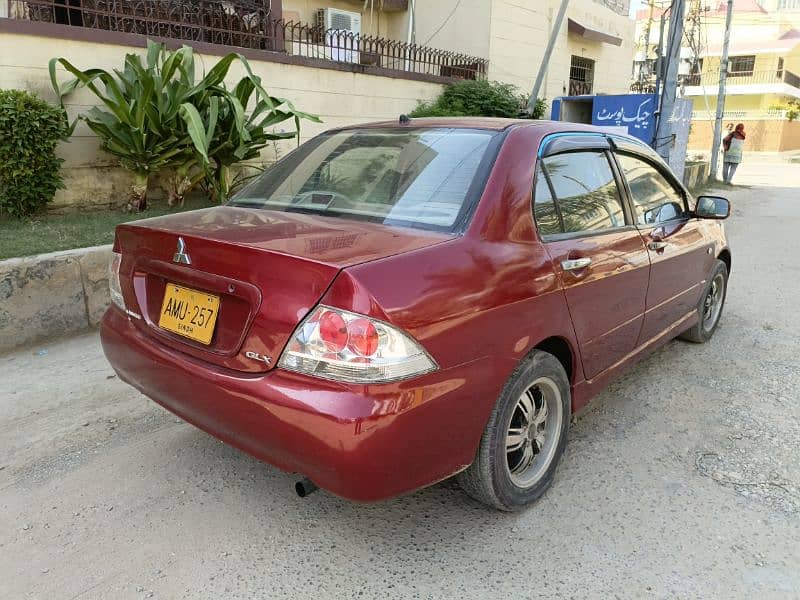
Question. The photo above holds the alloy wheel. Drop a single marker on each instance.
(712, 304)
(533, 431)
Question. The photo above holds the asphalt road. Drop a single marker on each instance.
(682, 481)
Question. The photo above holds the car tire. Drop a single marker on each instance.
(709, 309)
(505, 473)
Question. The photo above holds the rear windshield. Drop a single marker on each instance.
(423, 178)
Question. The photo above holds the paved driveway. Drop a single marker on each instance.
(683, 480)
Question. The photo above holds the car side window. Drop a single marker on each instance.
(655, 199)
(544, 206)
(586, 191)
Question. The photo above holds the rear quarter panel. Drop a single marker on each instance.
(484, 299)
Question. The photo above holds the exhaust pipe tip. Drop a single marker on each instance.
(305, 487)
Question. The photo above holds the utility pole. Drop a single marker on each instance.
(694, 34)
(537, 86)
(660, 56)
(723, 78)
(411, 37)
(663, 139)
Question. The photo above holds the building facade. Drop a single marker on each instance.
(592, 54)
(347, 61)
(763, 78)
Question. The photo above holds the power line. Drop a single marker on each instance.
(704, 30)
(450, 16)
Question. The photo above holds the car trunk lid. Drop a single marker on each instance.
(268, 269)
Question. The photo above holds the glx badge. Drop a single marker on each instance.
(257, 356)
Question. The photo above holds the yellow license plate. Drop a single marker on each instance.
(189, 313)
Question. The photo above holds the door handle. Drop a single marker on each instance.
(657, 245)
(575, 264)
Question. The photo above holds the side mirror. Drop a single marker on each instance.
(712, 207)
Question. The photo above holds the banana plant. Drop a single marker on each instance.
(224, 134)
(138, 120)
(151, 113)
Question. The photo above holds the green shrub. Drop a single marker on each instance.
(157, 115)
(478, 99)
(539, 109)
(793, 110)
(30, 129)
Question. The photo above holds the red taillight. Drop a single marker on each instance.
(343, 346)
(333, 331)
(363, 337)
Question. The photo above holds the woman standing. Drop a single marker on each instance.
(732, 145)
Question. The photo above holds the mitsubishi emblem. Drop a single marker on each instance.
(181, 257)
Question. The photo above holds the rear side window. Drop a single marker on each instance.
(423, 178)
(586, 192)
(655, 200)
(544, 205)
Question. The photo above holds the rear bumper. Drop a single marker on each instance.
(360, 442)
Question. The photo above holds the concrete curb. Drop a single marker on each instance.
(51, 295)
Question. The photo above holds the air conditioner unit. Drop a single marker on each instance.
(340, 20)
(342, 29)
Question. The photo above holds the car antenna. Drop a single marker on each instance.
(405, 120)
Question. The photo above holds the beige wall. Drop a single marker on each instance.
(466, 30)
(791, 61)
(749, 102)
(338, 97)
(519, 34)
(762, 135)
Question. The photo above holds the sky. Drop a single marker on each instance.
(635, 4)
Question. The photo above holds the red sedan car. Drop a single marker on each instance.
(397, 303)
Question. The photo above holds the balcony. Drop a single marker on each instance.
(386, 5)
(742, 115)
(745, 82)
(621, 7)
(246, 24)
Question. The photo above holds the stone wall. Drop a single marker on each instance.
(762, 135)
(52, 295)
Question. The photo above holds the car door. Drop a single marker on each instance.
(598, 254)
(679, 253)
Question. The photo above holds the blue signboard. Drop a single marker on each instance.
(633, 111)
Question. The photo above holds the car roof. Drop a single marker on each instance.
(542, 126)
(493, 123)
(489, 123)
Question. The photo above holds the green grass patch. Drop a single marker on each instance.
(50, 232)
